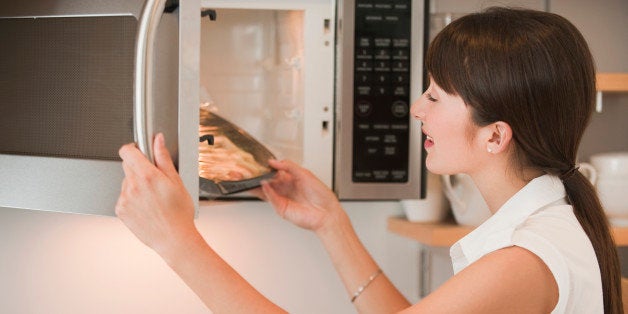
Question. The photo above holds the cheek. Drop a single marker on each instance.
(453, 149)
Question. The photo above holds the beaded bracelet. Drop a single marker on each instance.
(366, 284)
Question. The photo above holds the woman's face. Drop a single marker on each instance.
(451, 145)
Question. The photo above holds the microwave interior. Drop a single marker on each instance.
(251, 73)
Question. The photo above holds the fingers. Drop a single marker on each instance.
(163, 161)
(133, 160)
(278, 202)
(283, 164)
(290, 167)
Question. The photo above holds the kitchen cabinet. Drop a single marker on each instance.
(445, 234)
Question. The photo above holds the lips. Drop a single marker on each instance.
(429, 141)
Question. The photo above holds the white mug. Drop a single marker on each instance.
(467, 204)
(612, 185)
(588, 171)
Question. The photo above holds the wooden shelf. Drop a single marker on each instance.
(432, 234)
(447, 233)
(612, 82)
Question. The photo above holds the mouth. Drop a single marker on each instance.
(429, 141)
(429, 138)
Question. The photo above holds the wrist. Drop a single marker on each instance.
(335, 227)
(180, 246)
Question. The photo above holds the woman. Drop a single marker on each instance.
(511, 92)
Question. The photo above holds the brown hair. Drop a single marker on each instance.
(534, 71)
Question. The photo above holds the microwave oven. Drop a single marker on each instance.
(327, 84)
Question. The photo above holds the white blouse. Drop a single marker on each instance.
(539, 219)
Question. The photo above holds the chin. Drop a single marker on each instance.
(431, 167)
(436, 168)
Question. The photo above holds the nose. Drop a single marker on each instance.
(418, 109)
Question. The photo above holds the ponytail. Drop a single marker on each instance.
(588, 209)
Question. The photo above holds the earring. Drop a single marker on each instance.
(490, 150)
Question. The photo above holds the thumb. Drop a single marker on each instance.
(163, 161)
(278, 202)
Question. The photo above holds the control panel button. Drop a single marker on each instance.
(364, 54)
(364, 42)
(400, 66)
(400, 54)
(363, 108)
(364, 90)
(382, 42)
(364, 66)
(399, 109)
(382, 66)
(382, 54)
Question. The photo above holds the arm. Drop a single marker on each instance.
(156, 207)
(509, 280)
(298, 196)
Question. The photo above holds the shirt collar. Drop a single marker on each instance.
(495, 233)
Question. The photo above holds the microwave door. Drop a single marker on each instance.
(65, 107)
(66, 104)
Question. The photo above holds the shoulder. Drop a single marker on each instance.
(509, 280)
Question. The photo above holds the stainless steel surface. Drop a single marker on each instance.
(92, 186)
(188, 94)
(143, 86)
(70, 8)
(59, 184)
(343, 184)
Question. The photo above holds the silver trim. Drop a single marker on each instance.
(142, 98)
(62, 16)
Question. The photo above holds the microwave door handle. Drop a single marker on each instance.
(143, 83)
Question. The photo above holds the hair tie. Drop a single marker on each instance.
(569, 173)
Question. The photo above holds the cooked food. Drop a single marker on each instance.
(226, 160)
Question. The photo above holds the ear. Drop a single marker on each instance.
(500, 135)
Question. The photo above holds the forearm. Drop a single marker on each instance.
(218, 285)
(355, 265)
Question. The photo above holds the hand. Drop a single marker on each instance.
(153, 202)
(301, 198)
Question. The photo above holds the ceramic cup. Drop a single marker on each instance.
(613, 164)
(433, 208)
(467, 204)
(612, 185)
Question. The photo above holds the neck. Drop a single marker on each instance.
(497, 186)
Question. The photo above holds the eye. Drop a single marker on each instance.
(429, 97)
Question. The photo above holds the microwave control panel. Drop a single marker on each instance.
(381, 95)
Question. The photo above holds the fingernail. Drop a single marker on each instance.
(160, 138)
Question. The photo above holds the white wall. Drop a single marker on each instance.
(67, 263)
